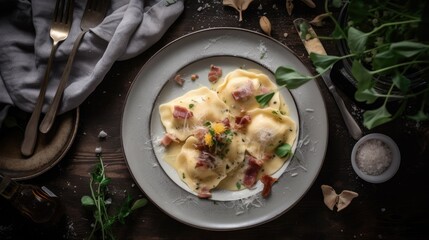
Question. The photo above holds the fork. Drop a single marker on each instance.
(60, 28)
(94, 13)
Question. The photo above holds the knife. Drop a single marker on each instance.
(315, 45)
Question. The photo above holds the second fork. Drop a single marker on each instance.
(93, 15)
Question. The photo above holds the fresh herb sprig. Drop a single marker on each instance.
(388, 49)
(98, 202)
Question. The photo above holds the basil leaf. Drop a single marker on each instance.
(408, 49)
(290, 78)
(87, 201)
(283, 150)
(419, 116)
(139, 203)
(376, 117)
(356, 40)
(384, 59)
(264, 99)
(362, 75)
(401, 82)
(323, 62)
(366, 95)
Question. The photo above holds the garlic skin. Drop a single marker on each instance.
(265, 24)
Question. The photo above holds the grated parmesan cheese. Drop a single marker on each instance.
(373, 157)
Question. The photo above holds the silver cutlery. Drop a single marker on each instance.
(94, 13)
(60, 28)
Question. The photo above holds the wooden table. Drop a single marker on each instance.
(397, 209)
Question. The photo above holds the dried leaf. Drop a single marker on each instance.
(318, 20)
(265, 24)
(331, 198)
(239, 5)
(289, 6)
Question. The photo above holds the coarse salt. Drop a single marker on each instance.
(373, 157)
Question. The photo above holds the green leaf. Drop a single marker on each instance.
(290, 78)
(139, 203)
(105, 182)
(376, 117)
(338, 33)
(323, 62)
(419, 116)
(356, 40)
(362, 75)
(408, 49)
(401, 82)
(87, 201)
(264, 99)
(384, 59)
(283, 150)
(366, 95)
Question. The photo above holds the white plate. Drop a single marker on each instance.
(230, 48)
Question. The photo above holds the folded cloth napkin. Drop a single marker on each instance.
(130, 27)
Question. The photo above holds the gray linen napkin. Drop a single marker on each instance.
(130, 27)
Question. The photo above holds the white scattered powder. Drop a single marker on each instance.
(102, 134)
(98, 150)
(373, 157)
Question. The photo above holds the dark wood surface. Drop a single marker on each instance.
(397, 209)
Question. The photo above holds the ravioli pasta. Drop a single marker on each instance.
(223, 138)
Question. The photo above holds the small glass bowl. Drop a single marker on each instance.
(391, 169)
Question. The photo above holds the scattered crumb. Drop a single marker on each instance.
(285, 35)
(98, 150)
(294, 174)
(102, 134)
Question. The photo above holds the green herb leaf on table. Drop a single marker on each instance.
(401, 82)
(408, 49)
(103, 219)
(323, 62)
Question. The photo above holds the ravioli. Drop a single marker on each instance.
(203, 171)
(224, 139)
(240, 87)
(204, 105)
(268, 129)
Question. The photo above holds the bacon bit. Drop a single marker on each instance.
(241, 122)
(268, 182)
(243, 92)
(204, 193)
(200, 132)
(215, 73)
(226, 123)
(179, 80)
(167, 139)
(194, 77)
(251, 173)
(182, 113)
(205, 160)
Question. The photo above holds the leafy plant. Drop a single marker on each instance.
(386, 44)
(99, 202)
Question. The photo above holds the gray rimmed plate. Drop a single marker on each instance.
(229, 48)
